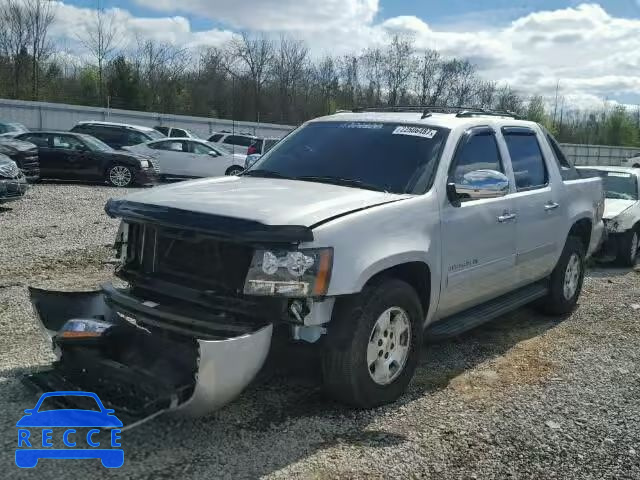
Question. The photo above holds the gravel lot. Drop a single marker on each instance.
(524, 397)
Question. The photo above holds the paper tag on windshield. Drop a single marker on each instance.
(415, 132)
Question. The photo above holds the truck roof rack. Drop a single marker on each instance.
(428, 110)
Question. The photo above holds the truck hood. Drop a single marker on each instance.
(264, 200)
(614, 207)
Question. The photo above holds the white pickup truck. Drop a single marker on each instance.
(364, 232)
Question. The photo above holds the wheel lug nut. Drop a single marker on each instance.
(380, 353)
(386, 355)
(392, 346)
(386, 333)
(379, 343)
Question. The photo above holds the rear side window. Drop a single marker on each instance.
(529, 168)
(164, 130)
(479, 152)
(176, 132)
(567, 170)
(268, 144)
(135, 138)
(238, 140)
(39, 140)
(216, 137)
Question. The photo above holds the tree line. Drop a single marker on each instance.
(264, 79)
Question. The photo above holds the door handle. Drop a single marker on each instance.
(505, 217)
(551, 206)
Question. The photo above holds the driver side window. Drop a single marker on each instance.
(480, 152)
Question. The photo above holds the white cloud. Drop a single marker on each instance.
(275, 15)
(75, 23)
(593, 54)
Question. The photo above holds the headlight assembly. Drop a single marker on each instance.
(297, 273)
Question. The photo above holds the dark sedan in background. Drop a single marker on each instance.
(25, 154)
(76, 156)
(13, 185)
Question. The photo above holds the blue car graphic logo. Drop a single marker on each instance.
(33, 446)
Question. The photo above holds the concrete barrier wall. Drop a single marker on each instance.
(598, 154)
(42, 115)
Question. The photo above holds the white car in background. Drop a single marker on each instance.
(621, 210)
(182, 158)
(633, 162)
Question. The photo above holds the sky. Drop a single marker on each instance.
(592, 48)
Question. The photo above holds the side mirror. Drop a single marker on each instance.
(213, 153)
(478, 184)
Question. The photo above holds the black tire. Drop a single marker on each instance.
(636, 165)
(556, 303)
(115, 179)
(344, 364)
(234, 170)
(625, 256)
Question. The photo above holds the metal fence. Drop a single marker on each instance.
(42, 115)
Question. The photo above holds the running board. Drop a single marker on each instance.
(476, 316)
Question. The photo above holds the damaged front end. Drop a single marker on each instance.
(183, 334)
(143, 359)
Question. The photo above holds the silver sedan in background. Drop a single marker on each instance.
(182, 158)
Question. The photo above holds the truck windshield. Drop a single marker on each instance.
(387, 157)
(617, 185)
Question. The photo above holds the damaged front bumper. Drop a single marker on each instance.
(151, 358)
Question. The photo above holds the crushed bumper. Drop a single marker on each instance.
(152, 358)
(12, 189)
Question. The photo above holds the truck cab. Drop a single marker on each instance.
(364, 232)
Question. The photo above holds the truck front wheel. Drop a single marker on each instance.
(373, 344)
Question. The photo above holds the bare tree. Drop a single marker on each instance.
(373, 63)
(427, 74)
(398, 65)
(288, 67)
(350, 75)
(101, 42)
(326, 78)
(15, 38)
(40, 16)
(255, 55)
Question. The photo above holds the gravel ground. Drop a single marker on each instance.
(523, 397)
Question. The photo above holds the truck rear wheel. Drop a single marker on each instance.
(565, 283)
(373, 344)
(628, 244)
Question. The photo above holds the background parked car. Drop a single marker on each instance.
(238, 142)
(621, 210)
(70, 155)
(262, 146)
(118, 135)
(176, 132)
(25, 154)
(190, 158)
(13, 185)
(633, 162)
(11, 129)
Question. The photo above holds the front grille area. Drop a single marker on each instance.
(187, 258)
(29, 163)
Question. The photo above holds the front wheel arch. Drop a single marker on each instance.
(234, 170)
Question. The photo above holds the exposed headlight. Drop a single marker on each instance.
(144, 163)
(9, 170)
(298, 273)
(611, 225)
